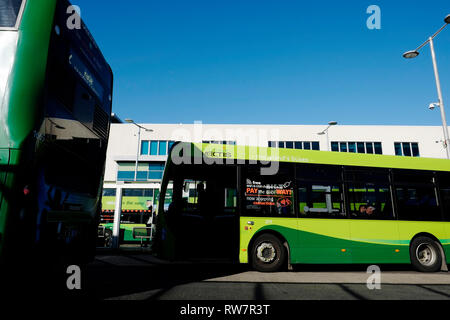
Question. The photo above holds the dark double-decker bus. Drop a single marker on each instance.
(55, 113)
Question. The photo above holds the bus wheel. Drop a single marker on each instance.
(268, 254)
(425, 255)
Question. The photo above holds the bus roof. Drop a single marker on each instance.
(264, 155)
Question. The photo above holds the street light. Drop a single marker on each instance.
(330, 124)
(138, 145)
(413, 54)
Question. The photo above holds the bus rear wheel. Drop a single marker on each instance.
(425, 255)
(268, 254)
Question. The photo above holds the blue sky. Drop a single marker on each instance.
(271, 62)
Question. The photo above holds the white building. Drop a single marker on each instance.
(152, 148)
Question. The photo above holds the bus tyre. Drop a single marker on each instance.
(425, 255)
(268, 254)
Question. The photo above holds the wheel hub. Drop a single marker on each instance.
(426, 254)
(266, 252)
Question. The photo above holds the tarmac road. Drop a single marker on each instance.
(140, 276)
(143, 277)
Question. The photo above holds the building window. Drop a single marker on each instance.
(407, 149)
(162, 148)
(352, 147)
(145, 147)
(156, 171)
(231, 143)
(299, 145)
(335, 146)
(357, 147)
(109, 192)
(146, 171)
(137, 193)
(156, 148)
(171, 143)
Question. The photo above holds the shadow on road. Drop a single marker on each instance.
(138, 275)
(106, 280)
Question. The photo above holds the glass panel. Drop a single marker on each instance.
(318, 172)
(361, 147)
(142, 176)
(156, 166)
(370, 201)
(417, 203)
(298, 145)
(369, 147)
(281, 144)
(415, 149)
(307, 145)
(445, 196)
(137, 192)
(290, 145)
(398, 149)
(412, 176)
(155, 175)
(154, 148)
(407, 149)
(109, 192)
(9, 11)
(163, 148)
(320, 200)
(343, 146)
(335, 146)
(145, 147)
(125, 176)
(269, 196)
(315, 145)
(378, 148)
(171, 143)
(352, 147)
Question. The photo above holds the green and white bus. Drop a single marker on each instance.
(55, 110)
(316, 208)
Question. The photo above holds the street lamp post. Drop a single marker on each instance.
(330, 124)
(414, 54)
(138, 145)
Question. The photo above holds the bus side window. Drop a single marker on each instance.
(320, 200)
(269, 195)
(369, 193)
(370, 201)
(444, 184)
(416, 196)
